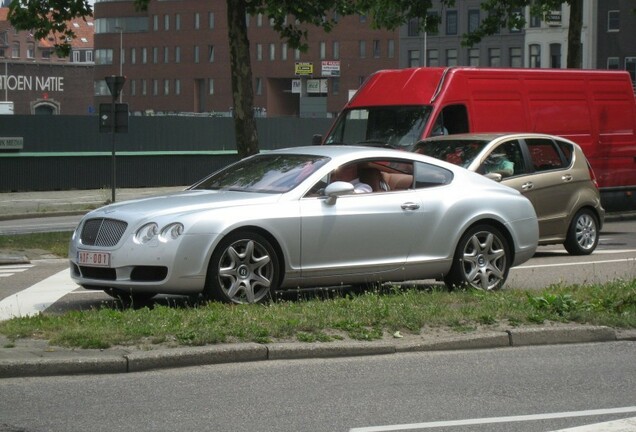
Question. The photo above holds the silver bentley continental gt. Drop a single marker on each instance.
(308, 217)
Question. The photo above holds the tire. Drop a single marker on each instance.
(129, 299)
(481, 261)
(582, 237)
(243, 269)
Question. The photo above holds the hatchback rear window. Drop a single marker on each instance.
(544, 154)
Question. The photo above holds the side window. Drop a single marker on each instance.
(544, 154)
(506, 160)
(427, 175)
(567, 150)
(452, 120)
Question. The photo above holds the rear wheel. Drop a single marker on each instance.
(243, 269)
(582, 237)
(481, 261)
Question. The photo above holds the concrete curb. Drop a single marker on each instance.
(78, 362)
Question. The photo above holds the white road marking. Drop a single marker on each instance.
(38, 297)
(491, 420)
(624, 425)
(10, 270)
(632, 260)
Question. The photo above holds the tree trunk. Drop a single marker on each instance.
(574, 34)
(242, 90)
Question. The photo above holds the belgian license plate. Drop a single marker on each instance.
(97, 259)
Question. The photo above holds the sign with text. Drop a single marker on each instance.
(331, 68)
(13, 143)
(304, 68)
(316, 86)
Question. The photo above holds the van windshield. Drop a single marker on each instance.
(391, 126)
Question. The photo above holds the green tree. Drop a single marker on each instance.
(45, 17)
(506, 14)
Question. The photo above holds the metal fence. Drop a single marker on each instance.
(69, 152)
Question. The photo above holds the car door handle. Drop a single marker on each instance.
(410, 206)
(527, 186)
(566, 177)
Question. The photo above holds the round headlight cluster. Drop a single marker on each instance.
(151, 230)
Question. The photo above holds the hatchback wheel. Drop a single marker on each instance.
(243, 269)
(481, 261)
(582, 237)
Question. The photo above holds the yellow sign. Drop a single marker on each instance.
(304, 68)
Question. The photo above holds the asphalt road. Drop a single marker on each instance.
(533, 389)
(615, 258)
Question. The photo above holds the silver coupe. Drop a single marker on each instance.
(308, 217)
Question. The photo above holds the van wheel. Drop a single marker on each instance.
(582, 237)
(243, 269)
(481, 260)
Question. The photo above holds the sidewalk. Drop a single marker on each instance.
(19, 205)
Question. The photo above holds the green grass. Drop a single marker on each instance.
(55, 242)
(366, 316)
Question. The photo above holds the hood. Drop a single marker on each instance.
(181, 203)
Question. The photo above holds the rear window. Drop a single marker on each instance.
(427, 175)
(544, 154)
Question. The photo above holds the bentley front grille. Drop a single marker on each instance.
(102, 232)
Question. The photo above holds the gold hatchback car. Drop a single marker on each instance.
(552, 172)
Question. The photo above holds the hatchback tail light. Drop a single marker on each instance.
(592, 175)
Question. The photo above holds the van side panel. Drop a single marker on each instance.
(496, 104)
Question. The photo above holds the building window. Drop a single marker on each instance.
(613, 63)
(413, 58)
(177, 21)
(451, 22)
(534, 56)
(76, 56)
(155, 87)
(31, 50)
(390, 48)
(133, 88)
(473, 20)
(432, 58)
(166, 22)
(259, 52)
(363, 18)
(515, 57)
(15, 51)
(166, 87)
(166, 54)
(283, 51)
(363, 49)
(47, 55)
(196, 54)
(517, 13)
(494, 57)
(210, 53)
(535, 21)
(103, 56)
(144, 87)
(323, 50)
(259, 86)
(211, 20)
(197, 21)
(335, 85)
(555, 56)
(376, 48)
(155, 22)
(144, 55)
(630, 66)
(272, 52)
(451, 57)
(473, 57)
(259, 20)
(297, 54)
(211, 86)
(155, 55)
(336, 50)
(177, 54)
(413, 29)
(613, 21)
(133, 55)
(177, 86)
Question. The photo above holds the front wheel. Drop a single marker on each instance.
(482, 260)
(582, 237)
(243, 269)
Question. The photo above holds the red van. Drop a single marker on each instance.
(596, 109)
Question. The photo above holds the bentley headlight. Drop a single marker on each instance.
(171, 231)
(146, 233)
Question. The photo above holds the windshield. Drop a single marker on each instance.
(265, 173)
(459, 152)
(392, 126)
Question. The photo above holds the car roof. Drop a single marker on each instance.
(337, 151)
(490, 136)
